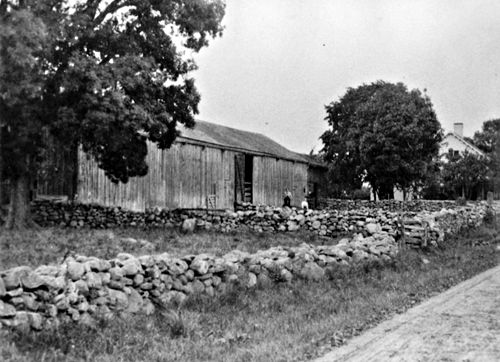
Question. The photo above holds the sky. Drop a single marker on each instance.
(279, 62)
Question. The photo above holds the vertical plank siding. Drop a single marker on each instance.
(271, 176)
(183, 176)
(317, 175)
(58, 171)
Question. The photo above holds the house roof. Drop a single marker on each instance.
(465, 143)
(214, 135)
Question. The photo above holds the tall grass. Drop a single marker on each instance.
(283, 322)
(50, 246)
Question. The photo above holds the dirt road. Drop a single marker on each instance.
(461, 324)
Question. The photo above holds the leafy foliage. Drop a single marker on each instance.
(488, 140)
(107, 75)
(383, 134)
(463, 174)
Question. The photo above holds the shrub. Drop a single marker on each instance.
(489, 217)
(361, 194)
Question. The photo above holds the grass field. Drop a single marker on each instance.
(285, 322)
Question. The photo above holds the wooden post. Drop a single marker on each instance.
(426, 234)
(402, 225)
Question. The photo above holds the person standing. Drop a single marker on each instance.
(288, 198)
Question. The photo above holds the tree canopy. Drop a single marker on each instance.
(488, 140)
(464, 174)
(106, 75)
(382, 134)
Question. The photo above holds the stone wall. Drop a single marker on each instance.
(390, 205)
(425, 225)
(82, 287)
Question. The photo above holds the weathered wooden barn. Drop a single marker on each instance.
(210, 166)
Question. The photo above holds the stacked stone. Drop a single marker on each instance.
(83, 287)
(390, 205)
(327, 223)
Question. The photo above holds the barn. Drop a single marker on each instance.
(210, 166)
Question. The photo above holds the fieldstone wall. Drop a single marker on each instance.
(83, 287)
(391, 205)
(425, 225)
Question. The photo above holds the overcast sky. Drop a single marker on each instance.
(280, 62)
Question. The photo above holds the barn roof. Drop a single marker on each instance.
(214, 135)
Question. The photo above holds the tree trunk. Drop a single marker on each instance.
(19, 217)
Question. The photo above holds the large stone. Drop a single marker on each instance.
(311, 271)
(188, 225)
(7, 310)
(252, 280)
(301, 219)
(119, 299)
(116, 273)
(29, 279)
(135, 301)
(75, 270)
(286, 276)
(373, 228)
(200, 266)
(198, 287)
(93, 280)
(35, 320)
(12, 277)
(48, 270)
(2, 288)
(131, 267)
(82, 287)
(124, 256)
(236, 256)
(96, 264)
(175, 266)
(30, 302)
(147, 261)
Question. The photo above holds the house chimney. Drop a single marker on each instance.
(458, 129)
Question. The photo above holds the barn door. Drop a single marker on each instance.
(239, 177)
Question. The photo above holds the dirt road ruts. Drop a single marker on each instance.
(461, 324)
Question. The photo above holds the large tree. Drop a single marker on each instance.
(488, 140)
(382, 134)
(105, 75)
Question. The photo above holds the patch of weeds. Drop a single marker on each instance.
(275, 274)
(489, 217)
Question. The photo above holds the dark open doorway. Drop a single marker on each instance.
(244, 178)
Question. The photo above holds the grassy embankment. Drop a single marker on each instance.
(286, 322)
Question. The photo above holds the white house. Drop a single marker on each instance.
(455, 143)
